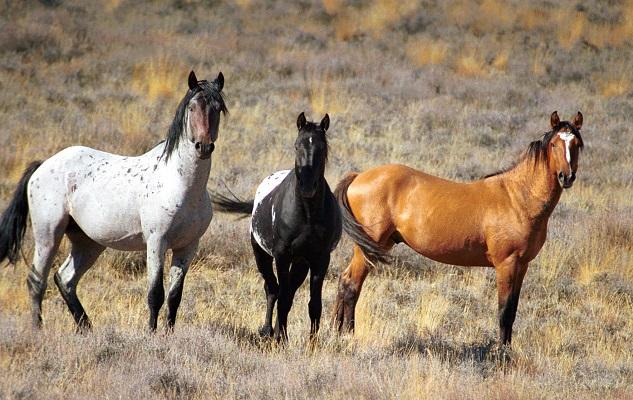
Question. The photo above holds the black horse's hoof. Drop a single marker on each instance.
(266, 331)
(84, 327)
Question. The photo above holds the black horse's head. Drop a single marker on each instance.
(311, 150)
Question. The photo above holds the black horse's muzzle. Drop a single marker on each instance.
(204, 150)
(307, 182)
(566, 181)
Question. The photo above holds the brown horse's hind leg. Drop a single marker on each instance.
(349, 287)
(509, 276)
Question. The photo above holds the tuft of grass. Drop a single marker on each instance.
(427, 51)
(156, 79)
(470, 64)
(570, 28)
(615, 87)
(424, 330)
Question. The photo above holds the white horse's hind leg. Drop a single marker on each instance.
(179, 267)
(84, 253)
(47, 237)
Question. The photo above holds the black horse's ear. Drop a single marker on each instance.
(193, 81)
(578, 120)
(301, 121)
(554, 120)
(219, 81)
(325, 122)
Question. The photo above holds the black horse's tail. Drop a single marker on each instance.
(13, 219)
(233, 206)
(372, 250)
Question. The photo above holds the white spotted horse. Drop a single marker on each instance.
(297, 222)
(153, 202)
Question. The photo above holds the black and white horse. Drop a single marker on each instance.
(295, 221)
(155, 202)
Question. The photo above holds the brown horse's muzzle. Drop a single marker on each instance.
(566, 181)
(204, 150)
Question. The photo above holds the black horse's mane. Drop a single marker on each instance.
(537, 150)
(212, 96)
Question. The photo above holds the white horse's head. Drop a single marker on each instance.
(197, 119)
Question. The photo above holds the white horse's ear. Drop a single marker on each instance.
(578, 120)
(219, 81)
(325, 122)
(193, 81)
(301, 121)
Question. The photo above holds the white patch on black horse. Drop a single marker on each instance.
(263, 216)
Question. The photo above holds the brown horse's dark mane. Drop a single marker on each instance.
(537, 150)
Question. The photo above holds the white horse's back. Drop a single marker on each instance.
(101, 192)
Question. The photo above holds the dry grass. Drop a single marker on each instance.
(455, 88)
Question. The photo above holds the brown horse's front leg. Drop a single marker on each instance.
(350, 285)
(509, 276)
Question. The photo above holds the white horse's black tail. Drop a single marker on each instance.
(13, 219)
(233, 206)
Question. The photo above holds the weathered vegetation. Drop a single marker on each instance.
(455, 88)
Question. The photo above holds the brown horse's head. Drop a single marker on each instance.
(564, 148)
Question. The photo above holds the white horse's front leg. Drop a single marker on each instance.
(156, 248)
(179, 267)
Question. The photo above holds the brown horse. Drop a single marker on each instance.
(499, 221)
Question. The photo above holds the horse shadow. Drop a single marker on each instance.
(244, 337)
(486, 355)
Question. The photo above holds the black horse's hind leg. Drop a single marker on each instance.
(84, 253)
(271, 287)
(317, 274)
(179, 267)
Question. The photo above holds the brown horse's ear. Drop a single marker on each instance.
(554, 120)
(578, 120)
(193, 81)
(325, 122)
(301, 121)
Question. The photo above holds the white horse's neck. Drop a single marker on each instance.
(184, 171)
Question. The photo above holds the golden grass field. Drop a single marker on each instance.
(456, 88)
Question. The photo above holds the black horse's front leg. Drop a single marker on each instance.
(265, 266)
(284, 301)
(317, 274)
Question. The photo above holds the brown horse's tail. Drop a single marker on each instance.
(372, 250)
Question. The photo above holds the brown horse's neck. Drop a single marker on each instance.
(534, 186)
